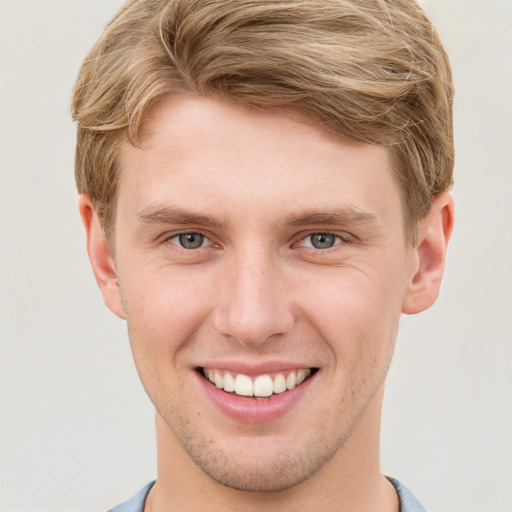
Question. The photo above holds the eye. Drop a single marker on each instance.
(189, 240)
(321, 241)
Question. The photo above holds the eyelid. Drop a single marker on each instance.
(343, 238)
(171, 237)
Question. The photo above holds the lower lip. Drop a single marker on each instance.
(253, 410)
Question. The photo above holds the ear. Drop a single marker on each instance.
(102, 263)
(424, 280)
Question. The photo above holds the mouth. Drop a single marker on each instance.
(258, 386)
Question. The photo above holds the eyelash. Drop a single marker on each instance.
(175, 236)
(339, 240)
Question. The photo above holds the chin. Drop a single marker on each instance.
(283, 472)
(258, 465)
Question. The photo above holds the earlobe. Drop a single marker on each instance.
(430, 255)
(102, 263)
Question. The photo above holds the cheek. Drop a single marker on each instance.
(164, 307)
(352, 293)
(357, 313)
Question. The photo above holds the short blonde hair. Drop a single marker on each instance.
(368, 70)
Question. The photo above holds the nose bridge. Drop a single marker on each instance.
(253, 305)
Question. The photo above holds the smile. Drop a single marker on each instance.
(260, 386)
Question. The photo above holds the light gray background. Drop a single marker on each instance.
(76, 427)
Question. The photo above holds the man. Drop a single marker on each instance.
(264, 188)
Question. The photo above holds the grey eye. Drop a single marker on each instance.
(323, 240)
(190, 240)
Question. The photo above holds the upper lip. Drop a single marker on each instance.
(254, 367)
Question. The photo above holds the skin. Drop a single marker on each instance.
(257, 185)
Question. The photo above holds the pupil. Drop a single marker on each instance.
(191, 240)
(323, 240)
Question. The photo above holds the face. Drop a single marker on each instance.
(256, 254)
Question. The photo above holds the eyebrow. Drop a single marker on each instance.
(349, 216)
(345, 217)
(154, 214)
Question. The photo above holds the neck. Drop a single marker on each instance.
(350, 481)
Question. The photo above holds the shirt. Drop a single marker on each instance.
(408, 502)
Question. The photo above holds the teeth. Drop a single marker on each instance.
(301, 375)
(262, 386)
(279, 383)
(218, 379)
(291, 381)
(229, 382)
(243, 385)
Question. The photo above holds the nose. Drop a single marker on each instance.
(254, 299)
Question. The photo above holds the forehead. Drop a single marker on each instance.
(209, 154)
